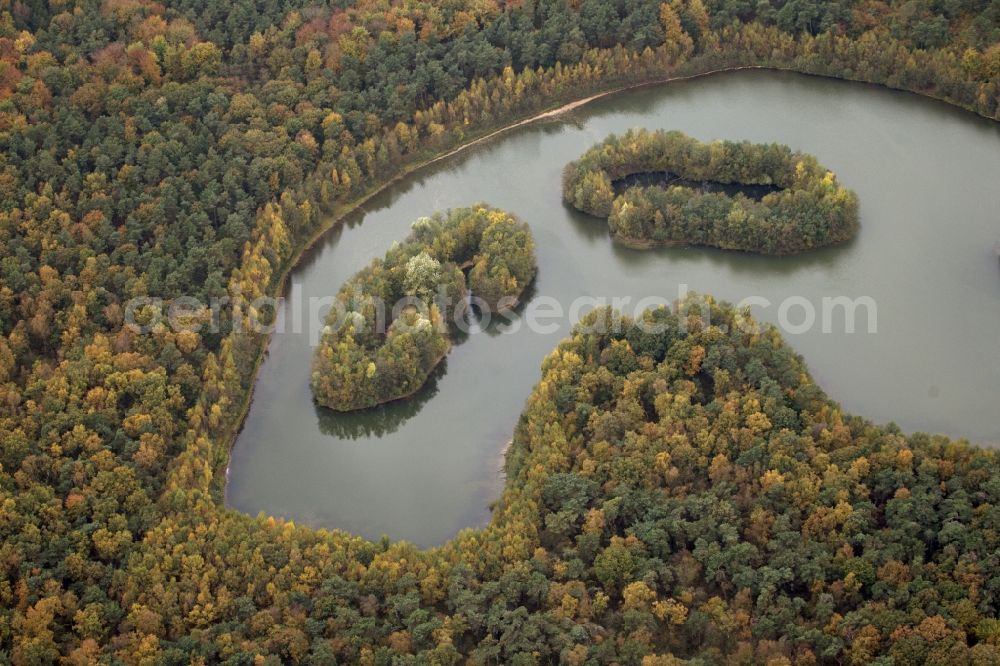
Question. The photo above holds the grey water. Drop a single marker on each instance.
(927, 177)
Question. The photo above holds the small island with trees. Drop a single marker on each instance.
(391, 324)
(664, 188)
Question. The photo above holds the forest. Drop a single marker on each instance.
(393, 320)
(809, 209)
(177, 148)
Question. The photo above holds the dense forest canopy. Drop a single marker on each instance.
(702, 496)
(393, 321)
(162, 149)
(808, 208)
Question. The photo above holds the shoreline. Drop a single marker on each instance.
(632, 243)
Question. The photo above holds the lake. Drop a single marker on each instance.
(928, 179)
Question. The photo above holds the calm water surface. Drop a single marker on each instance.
(928, 177)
